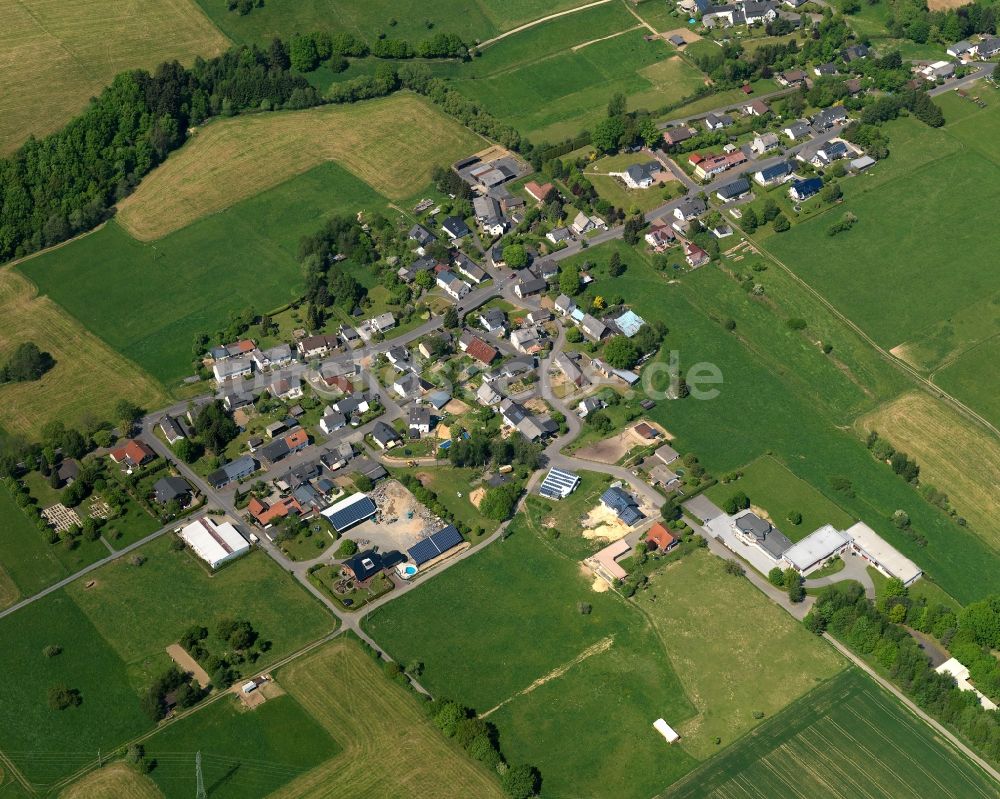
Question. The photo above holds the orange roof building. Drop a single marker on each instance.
(539, 192)
(660, 538)
(132, 453)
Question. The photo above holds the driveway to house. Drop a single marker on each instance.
(984, 70)
(855, 568)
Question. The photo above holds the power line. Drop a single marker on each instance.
(200, 793)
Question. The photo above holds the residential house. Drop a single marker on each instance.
(825, 70)
(132, 454)
(623, 504)
(340, 382)
(695, 255)
(526, 288)
(473, 271)
(546, 269)
(526, 340)
(798, 130)
(804, 189)
(629, 323)
(756, 108)
(494, 321)
(721, 231)
(489, 215)
(676, 135)
(717, 164)
(382, 322)
(475, 347)
(763, 142)
(384, 435)
(487, 395)
(67, 472)
(658, 538)
(407, 386)
(559, 234)
(421, 235)
(171, 429)
(830, 152)
(791, 77)
(317, 346)
(570, 370)
(231, 368)
(172, 489)
(536, 191)
(286, 388)
(353, 405)
(854, 52)
(828, 117)
(516, 417)
(690, 208)
(419, 421)
(593, 328)
(564, 305)
(453, 285)
(660, 237)
(751, 529)
(640, 176)
(715, 121)
(363, 566)
(234, 400)
(733, 191)
(399, 357)
(455, 228)
(773, 175)
(279, 355)
(235, 470)
(960, 49)
(234, 350)
(589, 405)
(332, 421)
(938, 70)
(438, 399)
(582, 224)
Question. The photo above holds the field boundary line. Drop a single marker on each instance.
(539, 21)
(634, 13)
(912, 707)
(598, 648)
(577, 47)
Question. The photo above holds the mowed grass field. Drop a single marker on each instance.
(844, 740)
(954, 454)
(970, 377)
(721, 635)
(778, 492)
(55, 56)
(116, 780)
(113, 638)
(780, 394)
(390, 748)
(392, 144)
(555, 80)
(88, 378)
(407, 19)
(502, 633)
(148, 301)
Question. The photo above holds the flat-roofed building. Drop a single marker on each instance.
(816, 549)
(884, 557)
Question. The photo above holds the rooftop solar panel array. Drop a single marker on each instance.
(558, 484)
(363, 508)
(434, 545)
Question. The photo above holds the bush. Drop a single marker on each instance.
(796, 323)
(737, 502)
(346, 549)
(734, 568)
(521, 782)
(776, 577)
(52, 650)
(62, 698)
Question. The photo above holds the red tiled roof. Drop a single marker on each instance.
(341, 382)
(297, 438)
(659, 537)
(480, 350)
(133, 452)
(245, 345)
(746, 88)
(645, 430)
(265, 514)
(537, 191)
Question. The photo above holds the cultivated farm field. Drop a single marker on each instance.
(55, 56)
(954, 454)
(502, 633)
(117, 780)
(88, 377)
(391, 144)
(148, 301)
(846, 739)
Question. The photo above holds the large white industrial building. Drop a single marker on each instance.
(214, 542)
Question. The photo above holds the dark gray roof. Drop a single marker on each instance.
(456, 226)
(768, 537)
(734, 189)
(383, 433)
(170, 488)
(776, 171)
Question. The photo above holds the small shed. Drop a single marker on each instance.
(666, 731)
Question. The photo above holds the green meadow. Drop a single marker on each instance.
(114, 635)
(149, 300)
(780, 394)
(502, 633)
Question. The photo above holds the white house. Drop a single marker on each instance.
(454, 286)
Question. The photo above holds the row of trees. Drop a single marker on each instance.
(874, 632)
(307, 51)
